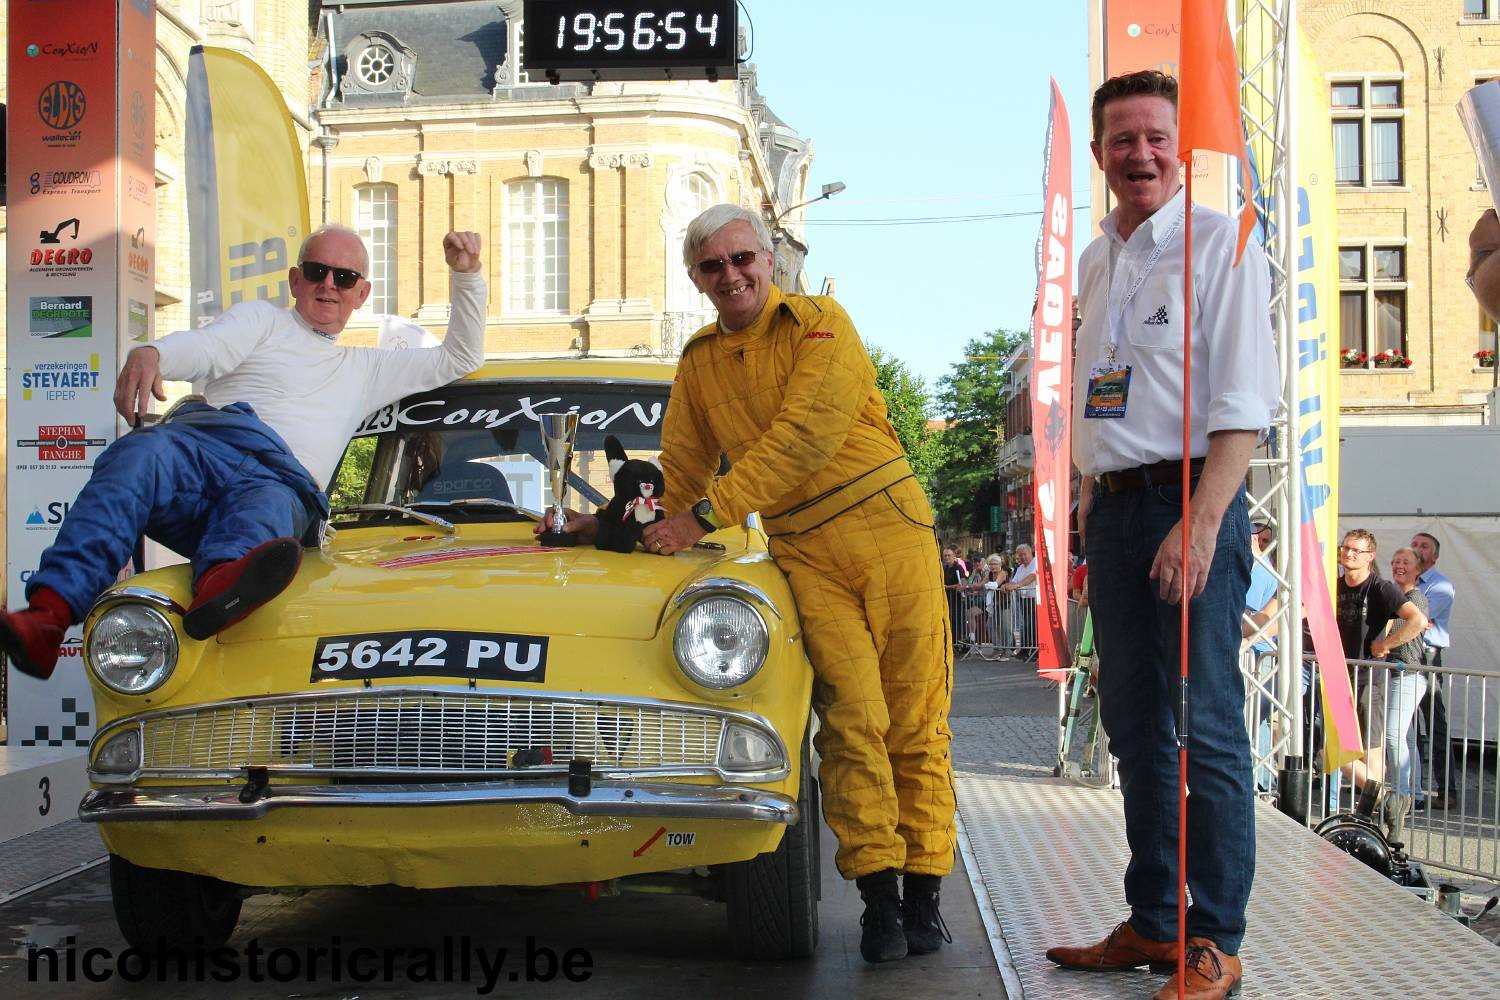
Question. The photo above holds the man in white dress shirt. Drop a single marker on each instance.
(1128, 444)
(236, 483)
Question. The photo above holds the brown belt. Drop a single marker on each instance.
(1138, 478)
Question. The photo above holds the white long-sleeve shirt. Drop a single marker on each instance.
(309, 389)
(1235, 372)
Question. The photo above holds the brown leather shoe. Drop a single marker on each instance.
(1122, 949)
(1210, 974)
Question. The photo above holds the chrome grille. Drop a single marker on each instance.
(426, 732)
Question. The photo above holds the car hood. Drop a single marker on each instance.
(462, 583)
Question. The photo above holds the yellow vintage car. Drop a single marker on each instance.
(437, 700)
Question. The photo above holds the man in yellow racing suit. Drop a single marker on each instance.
(783, 386)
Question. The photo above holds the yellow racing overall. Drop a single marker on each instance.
(792, 401)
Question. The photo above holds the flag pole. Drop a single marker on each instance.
(1187, 543)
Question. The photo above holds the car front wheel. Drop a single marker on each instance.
(773, 898)
(156, 907)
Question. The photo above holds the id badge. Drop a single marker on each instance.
(1108, 391)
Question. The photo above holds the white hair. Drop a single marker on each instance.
(715, 218)
(342, 230)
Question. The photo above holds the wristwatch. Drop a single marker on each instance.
(704, 512)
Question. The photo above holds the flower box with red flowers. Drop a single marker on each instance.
(1352, 357)
(1485, 358)
(1392, 358)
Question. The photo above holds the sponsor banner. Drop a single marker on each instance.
(1052, 392)
(55, 317)
(56, 446)
(53, 181)
(136, 193)
(1147, 34)
(76, 132)
(57, 712)
(248, 213)
(58, 381)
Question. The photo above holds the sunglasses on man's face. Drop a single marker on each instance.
(315, 271)
(714, 265)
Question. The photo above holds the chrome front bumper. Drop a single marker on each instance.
(628, 799)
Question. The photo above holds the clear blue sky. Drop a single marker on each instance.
(926, 110)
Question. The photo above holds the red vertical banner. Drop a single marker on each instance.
(1052, 393)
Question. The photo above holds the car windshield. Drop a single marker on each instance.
(439, 452)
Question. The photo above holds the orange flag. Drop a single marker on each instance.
(1208, 99)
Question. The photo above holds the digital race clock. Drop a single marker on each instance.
(579, 40)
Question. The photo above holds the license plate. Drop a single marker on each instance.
(501, 656)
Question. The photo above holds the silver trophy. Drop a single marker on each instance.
(559, 434)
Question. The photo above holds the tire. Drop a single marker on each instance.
(154, 906)
(773, 898)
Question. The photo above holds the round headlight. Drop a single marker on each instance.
(132, 649)
(721, 642)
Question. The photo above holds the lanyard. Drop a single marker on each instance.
(1117, 316)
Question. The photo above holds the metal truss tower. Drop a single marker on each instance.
(1266, 39)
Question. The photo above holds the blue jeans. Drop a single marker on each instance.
(1403, 693)
(1138, 638)
(194, 494)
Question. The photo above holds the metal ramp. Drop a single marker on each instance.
(1050, 856)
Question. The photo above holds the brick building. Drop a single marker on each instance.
(1408, 193)
(426, 121)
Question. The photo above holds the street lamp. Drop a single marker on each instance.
(790, 251)
(829, 190)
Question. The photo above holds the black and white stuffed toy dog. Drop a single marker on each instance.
(639, 487)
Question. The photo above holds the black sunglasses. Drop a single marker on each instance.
(714, 265)
(316, 271)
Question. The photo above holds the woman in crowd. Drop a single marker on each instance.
(1405, 687)
(989, 574)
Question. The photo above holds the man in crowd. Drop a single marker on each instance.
(1022, 584)
(1128, 443)
(782, 385)
(1439, 592)
(953, 579)
(236, 483)
(1365, 604)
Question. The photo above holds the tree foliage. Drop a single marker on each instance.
(906, 399)
(971, 398)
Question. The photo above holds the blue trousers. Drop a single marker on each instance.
(1138, 640)
(198, 496)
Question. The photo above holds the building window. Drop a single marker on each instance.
(1372, 303)
(536, 246)
(1479, 10)
(1488, 338)
(376, 65)
(375, 221)
(1368, 120)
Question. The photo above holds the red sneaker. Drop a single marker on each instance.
(227, 592)
(33, 636)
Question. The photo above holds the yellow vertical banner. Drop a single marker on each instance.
(1315, 327)
(247, 186)
(1317, 303)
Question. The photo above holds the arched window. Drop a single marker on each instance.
(694, 193)
(536, 246)
(375, 221)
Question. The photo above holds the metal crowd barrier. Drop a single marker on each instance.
(993, 624)
(1458, 831)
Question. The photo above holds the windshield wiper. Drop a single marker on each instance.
(479, 502)
(390, 508)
